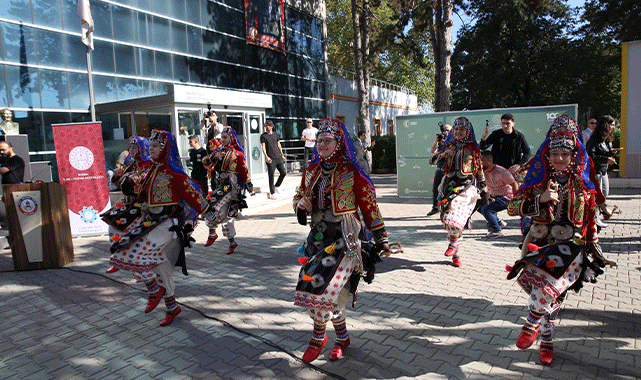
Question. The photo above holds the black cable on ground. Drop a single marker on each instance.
(224, 323)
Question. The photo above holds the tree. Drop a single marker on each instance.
(532, 58)
(360, 21)
(388, 59)
(616, 20)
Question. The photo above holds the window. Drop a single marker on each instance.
(53, 89)
(123, 24)
(378, 130)
(390, 127)
(341, 118)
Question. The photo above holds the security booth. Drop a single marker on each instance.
(180, 112)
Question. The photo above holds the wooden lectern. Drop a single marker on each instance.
(51, 232)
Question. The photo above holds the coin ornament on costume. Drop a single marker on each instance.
(81, 158)
(27, 205)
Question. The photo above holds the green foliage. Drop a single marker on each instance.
(384, 154)
(533, 58)
(614, 20)
(389, 59)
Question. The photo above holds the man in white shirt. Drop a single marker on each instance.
(210, 128)
(587, 132)
(309, 136)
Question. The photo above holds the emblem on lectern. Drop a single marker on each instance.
(27, 205)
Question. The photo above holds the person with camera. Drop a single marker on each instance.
(509, 147)
(438, 176)
(210, 128)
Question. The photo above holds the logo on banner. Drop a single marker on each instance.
(81, 158)
(27, 205)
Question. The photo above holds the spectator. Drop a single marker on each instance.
(274, 157)
(509, 148)
(12, 171)
(587, 132)
(198, 171)
(309, 136)
(361, 151)
(501, 186)
(438, 176)
(599, 148)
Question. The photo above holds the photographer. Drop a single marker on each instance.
(438, 176)
(210, 128)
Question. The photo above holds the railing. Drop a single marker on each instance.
(335, 71)
(294, 151)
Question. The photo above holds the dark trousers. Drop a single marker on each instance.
(489, 211)
(308, 154)
(202, 182)
(438, 177)
(271, 169)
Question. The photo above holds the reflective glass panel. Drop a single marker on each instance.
(195, 40)
(49, 48)
(145, 62)
(163, 66)
(101, 14)
(177, 9)
(105, 90)
(76, 52)
(47, 13)
(102, 57)
(146, 88)
(161, 33)
(22, 82)
(53, 89)
(31, 125)
(127, 89)
(181, 68)
(125, 61)
(80, 117)
(19, 10)
(123, 24)
(78, 91)
(160, 7)
(70, 18)
(193, 11)
(179, 37)
(49, 119)
(142, 4)
(18, 43)
(195, 70)
(3, 87)
(144, 34)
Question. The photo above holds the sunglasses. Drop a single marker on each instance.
(325, 141)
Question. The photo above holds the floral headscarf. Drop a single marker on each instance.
(143, 150)
(234, 139)
(564, 134)
(470, 137)
(169, 156)
(345, 150)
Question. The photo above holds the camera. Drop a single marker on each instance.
(208, 113)
(443, 135)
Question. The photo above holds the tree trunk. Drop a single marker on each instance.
(441, 38)
(360, 19)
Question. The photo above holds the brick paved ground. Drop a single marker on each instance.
(421, 318)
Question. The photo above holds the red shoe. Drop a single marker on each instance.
(312, 352)
(112, 270)
(337, 352)
(170, 317)
(526, 338)
(231, 248)
(211, 240)
(456, 261)
(546, 355)
(152, 303)
(451, 250)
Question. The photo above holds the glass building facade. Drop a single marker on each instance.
(140, 48)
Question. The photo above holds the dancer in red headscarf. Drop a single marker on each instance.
(460, 160)
(228, 198)
(333, 189)
(129, 180)
(159, 224)
(559, 197)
